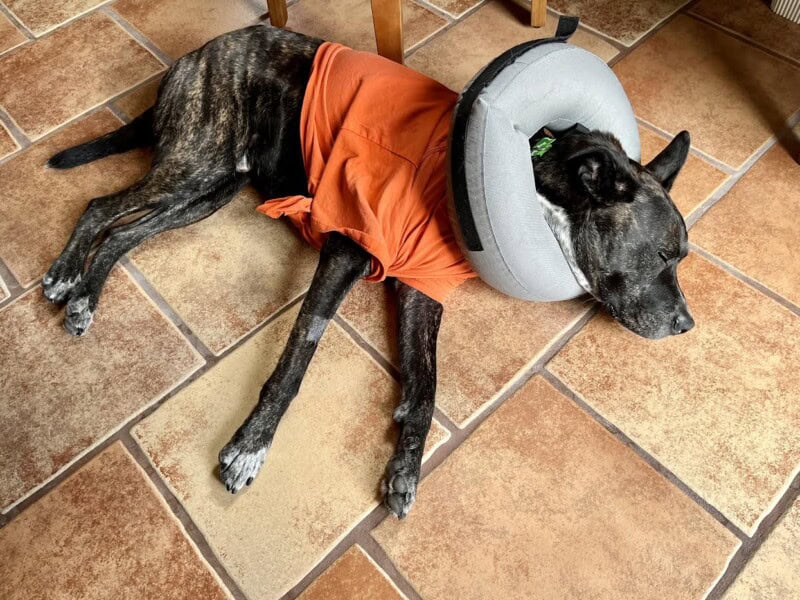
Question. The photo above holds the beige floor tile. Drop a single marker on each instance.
(322, 472)
(10, 36)
(230, 272)
(542, 502)
(71, 71)
(454, 57)
(486, 340)
(750, 229)
(354, 576)
(8, 145)
(139, 100)
(717, 406)
(351, 23)
(696, 181)
(754, 19)
(178, 26)
(773, 572)
(729, 95)
(625, 21)
(40, 16)
(62, 395)
(103, 533)
(41, 206)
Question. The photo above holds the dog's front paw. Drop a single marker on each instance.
(57, 284)
(78, 315)
(240, 461)
(400, 486)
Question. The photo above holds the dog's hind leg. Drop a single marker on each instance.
(100, 213)
(175, 210)
(342, 262)
(419, 319)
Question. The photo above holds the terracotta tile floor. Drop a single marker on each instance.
(567, 459)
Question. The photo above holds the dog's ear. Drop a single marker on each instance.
(602, 174)
(666, 166)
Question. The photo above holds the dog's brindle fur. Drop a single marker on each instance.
(228, 114)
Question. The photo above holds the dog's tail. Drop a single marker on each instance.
(135, 134)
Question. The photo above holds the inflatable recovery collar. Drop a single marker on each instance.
(493, 203)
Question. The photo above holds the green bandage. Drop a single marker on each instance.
(542, 146)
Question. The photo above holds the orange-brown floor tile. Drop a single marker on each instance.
(354, 576)
(41, 16)
(696, 181)
(772, 572)
(178, 26)
(10, 36)
(626, 20)
(755, 20)
(455, 8)
(454, 57)
(228, 273)
(71, 71)
(718, 405)
(7, 143)
(542, 502)
(62, 395)
(371, 309)
(139, 100)
(752, 227)
(103, 533)
(41, 206)
(730, 96)
(351, 23)
(322, 472)
(485, 342)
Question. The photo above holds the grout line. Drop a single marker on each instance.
(438, 11)
(191, 528)
(367, 347)
(166, 309)
(749, 547)
(12, 283)
(136, 34)
(744, 278)
(644, 455)
(408, 53)
(15, 20)
(716, 163)
(117, 112)
(16, 133)
(376, 552)
(743, 38)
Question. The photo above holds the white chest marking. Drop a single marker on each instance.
(558, 221)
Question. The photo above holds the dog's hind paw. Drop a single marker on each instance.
(78, 316)
(238, 466)
(399, 488)
(57, 289)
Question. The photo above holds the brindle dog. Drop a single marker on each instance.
(228, 114)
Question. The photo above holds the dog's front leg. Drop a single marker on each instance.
(419, 319)
(342, 262)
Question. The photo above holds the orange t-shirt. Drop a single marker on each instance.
(374, 140)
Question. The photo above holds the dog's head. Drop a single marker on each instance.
(619, 228)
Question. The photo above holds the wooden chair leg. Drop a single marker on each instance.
(387, 17)
(538, 13)
(278, 14)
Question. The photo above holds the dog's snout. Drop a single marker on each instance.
(682, 323)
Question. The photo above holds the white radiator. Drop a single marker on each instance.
(787, 8)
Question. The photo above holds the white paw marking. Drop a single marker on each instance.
(58, 289)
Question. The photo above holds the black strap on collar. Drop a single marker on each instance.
(458, 180)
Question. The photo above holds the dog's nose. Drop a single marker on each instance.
(682, 323)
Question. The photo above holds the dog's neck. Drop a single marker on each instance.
(560, 224)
